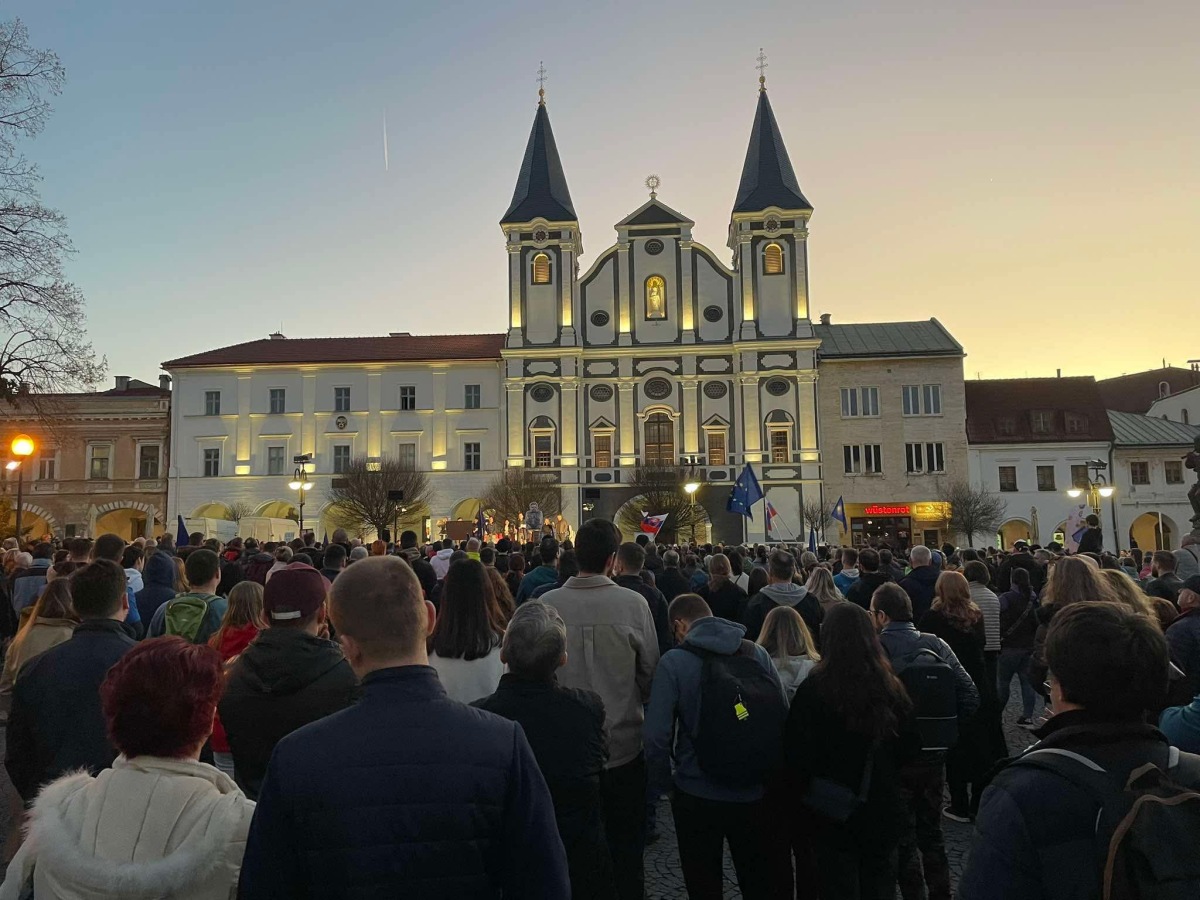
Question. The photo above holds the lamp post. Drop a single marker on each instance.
(301, 485)
(1097, 488)
(22, 448)
(690, 489)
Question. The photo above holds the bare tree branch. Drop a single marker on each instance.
(509, 494)
(360, 494)
(972, 510)
(660, 490)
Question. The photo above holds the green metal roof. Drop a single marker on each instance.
(1130, 429)
(886, 339)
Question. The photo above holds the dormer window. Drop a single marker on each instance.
(1041, 421)
(773, 260)
(541, 269)
(1006, 427)
(1076, 423)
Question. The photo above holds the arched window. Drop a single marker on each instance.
(779, 436)
(773, 260)
(541, 269)
(660, 440)
(541, 441)
(1186, 421)
(1164, 389)
(656, 297)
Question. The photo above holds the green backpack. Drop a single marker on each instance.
(191, 617)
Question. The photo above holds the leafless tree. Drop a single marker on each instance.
(43, 342)
(509, 494)
(972, 510)
(238, 510)
(360, 493)
(817, 515)
(660, 490)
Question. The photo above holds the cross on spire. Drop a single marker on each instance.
(762, 69)
(541, 80)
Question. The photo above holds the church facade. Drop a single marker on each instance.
(658, 353)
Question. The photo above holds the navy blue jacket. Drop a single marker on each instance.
(919, 584)
(158, 580)
(405, 794)
(1183, 637)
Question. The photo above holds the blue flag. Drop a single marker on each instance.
(181, 535)
(481, 524)
(839, 512)
(746, 492)
(325, 540)
(812, 540)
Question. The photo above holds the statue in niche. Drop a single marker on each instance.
(656, 297)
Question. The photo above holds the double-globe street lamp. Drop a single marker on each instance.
(1097, 487)
(22, 447)
(300, 483)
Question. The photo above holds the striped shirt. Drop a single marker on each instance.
(989, 605)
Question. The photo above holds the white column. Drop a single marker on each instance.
(751, 426)
(569, 428)
(628, 418)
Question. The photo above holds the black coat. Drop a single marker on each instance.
(158, 585)
(919, 584)
(56, 724)
(758, 606)
(565, 728)
(726, 602)
(672, 582)
(1037, 572)
(862, 590)
(284, 680)
(405, 794)
(1092, 541)
(658, 607)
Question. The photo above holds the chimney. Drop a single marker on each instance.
(826, 318)
(164, 382)
(122, 382)
(277, 336)
(400, 334)
(1058, 373)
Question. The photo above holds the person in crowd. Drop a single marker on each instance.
(516, 572)
(978, 577)
(158, 577)
(781, 590)
(738, 567)
(464, 647)
(52, 622)
(922, 852)
(288, 676)
(1183, 637)
(232, 570)
(1128, 592)
(628, 572)
(1164, 582)
(1072, 579)
(567, 566)
(1035, 834)
(1018, 623)
(283, 558)
(502, 605)
(112, 548)
(543, 574)
(671, 581)
(1187, 557)
(957, 620)
(890, 565)
(759, 579)
(1092, 540)
(196, 614)
(871, 575)
(790, 645)
(920, 582)
(565, 729)
(820, 585)
(159, 822)
(1181, 725)
(612, 649)
(709, 809)
(334, 562)
(411, 554)
(1020, 558)
(361, 552)
(420, 795)
(848, 727)
(241, 625)
(259, 561)
(133, 561)
(721, 593)
(848, 573)
(56, 725)
(654, 563)
(28, 585)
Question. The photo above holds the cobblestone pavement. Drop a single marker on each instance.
(665, 882)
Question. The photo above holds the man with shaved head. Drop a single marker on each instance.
(407, 793)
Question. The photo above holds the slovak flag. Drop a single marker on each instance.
(771, 514)
(653, 524)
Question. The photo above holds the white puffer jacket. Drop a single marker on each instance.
(146, 828)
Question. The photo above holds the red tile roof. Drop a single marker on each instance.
(302, 351)
(1012, 402)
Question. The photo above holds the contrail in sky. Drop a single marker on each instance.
(385, 149)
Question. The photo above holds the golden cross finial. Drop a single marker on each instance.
(762, 69)
(541, 80)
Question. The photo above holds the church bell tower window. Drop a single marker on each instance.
(541, 269)
(773, 260)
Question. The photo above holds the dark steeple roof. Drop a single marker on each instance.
(767, 176)
(541, 185)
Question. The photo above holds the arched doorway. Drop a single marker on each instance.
(36, 522)
(1154, 531)
(278, 509)
(212, 511)
(128, 519)
(1012, 531)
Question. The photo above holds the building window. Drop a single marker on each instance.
(656, 297)
(212, 403)
(773, 260)
(922, 399)
(1139, 472)
(602, 451)
(47, 465)
(471, 456)
(780, 451)
(277, 401)
(212, 463)
(1173, 470)
(660, 440)
(471, 396)
(922, 458)
(408, 397)
(1079, 477)
(541, 269)
(341, 399)
(98, 463)
(862, 460)
(1076, 423)
(1041, 421)
(543, 454)
(1185, 417)
(148, 461)
(1006, 426)
(1008, 478)
(275, 461)
(716, 448)
(1045, 478)
(406, 456)
(341, 458)
(858, 402)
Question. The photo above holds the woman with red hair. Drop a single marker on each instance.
(172, 825)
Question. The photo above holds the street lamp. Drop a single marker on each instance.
(22, 448)
(301, 484)
(690, 489)
(1097, 487)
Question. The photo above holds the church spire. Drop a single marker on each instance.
(767, 175)
(541, 190)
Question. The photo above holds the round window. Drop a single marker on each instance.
(658, 389)
(541, 393)
(654, 246)
(599, 318)
(777, 387)
(601, 393)
(715, 390)
(713, 313)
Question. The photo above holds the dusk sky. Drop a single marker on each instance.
(1027, 172)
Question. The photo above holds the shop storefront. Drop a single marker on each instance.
(896, 525)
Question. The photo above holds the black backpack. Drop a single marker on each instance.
(1148, 828)
(739, 738)
(933, 689)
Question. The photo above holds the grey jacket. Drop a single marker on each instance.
(902, 638)
(612, 649)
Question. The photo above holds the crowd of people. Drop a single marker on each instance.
(457, 720)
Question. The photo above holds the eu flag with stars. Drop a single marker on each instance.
(839, 512)
(746, 492)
